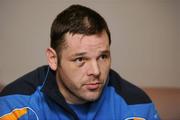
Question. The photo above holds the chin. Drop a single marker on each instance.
(93, 97)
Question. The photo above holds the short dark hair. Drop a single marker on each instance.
(76, 19)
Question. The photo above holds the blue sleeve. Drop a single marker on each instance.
(146, 111)
(13, 107)
(153, 113)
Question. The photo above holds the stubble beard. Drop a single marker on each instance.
(72, 96)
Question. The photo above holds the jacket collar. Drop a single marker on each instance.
(50, 89)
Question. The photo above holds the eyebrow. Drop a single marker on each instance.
(105, 52)
(84, 53)
(80, 54)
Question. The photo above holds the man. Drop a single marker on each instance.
(78, 84)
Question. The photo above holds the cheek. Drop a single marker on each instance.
(104, 68)
(69, 78)
(73, 75)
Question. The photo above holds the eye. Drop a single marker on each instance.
(79, 61)
(103, 57)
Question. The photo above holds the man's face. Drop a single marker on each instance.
(84, 67)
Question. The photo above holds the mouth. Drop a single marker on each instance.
(93, 86)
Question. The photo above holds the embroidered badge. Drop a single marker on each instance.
(135, 118)
(15, 114)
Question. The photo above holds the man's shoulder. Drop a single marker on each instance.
(128, 91)
(26, 84)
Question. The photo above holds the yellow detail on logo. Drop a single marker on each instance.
(134, 118)
(138, 118)
(15, 114)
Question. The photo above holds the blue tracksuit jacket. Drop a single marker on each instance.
(35, 96)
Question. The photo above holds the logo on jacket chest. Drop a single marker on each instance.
(135, 118)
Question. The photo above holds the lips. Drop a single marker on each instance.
(92, 86)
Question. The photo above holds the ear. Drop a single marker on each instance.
(52, 58)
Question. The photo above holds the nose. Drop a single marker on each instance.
(94, 69)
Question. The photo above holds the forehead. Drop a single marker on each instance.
(80, 41)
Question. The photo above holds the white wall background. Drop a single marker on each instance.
(145, 37)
